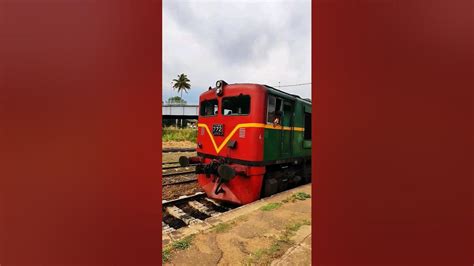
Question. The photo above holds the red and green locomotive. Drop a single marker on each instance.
(253, 141)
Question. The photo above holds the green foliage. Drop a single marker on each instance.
(183, 134)
(295, 226)
(175, 100)
(302, 196)
(292, 198)
(257, 255)
(279, 245)
(225, 227)
(297, 196)
(271, 206)
(165, 255)
(183, 243)
(177, 245)
(222, 227)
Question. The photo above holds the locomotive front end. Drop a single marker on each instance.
(230, 142)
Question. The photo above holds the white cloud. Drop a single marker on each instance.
(238, 41)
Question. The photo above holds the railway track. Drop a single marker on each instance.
(180, 182)
(179, 150)
(178, 173)
(172, 167)
(187, 210)
(168, 163)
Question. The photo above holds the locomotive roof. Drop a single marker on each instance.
(277, 91)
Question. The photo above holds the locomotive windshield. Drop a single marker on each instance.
(208, 107)
(238, 105)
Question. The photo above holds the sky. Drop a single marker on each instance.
(239, 41)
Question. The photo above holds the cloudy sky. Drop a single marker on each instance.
(239, 41)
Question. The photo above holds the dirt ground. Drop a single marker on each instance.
(173, 192)
(178, 178)
(174, 156)
(178, 144)
(277, 233)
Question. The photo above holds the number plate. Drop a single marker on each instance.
(218, 130)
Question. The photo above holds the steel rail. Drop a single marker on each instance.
(165, 163)
(183, 199)
(180, 182)
(178, 173)
(178, 150)
(175, 167)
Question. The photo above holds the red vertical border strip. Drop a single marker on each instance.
(393, 147)
(314, 97)
(160, 127)
(80, 126)
(3, 229)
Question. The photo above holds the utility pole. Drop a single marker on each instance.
(176, 120)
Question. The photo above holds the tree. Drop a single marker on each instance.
(175, 99)
(182, 84)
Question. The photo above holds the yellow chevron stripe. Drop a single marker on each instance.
(245, 125)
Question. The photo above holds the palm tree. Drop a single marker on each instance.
(182, 84)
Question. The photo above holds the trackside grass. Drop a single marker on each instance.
(279, 245)
(179, 134)
(177, 245)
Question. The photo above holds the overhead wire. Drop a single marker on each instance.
(293, 85)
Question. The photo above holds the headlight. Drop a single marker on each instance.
(220, 87)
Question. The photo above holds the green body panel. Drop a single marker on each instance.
(275, 149)
(286, 144)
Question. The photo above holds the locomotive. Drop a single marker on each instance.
(253, 141)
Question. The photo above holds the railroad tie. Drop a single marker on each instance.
(202, 208)
(216, 203)
(167, 228)
(180, 214)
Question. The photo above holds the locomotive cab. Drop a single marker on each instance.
(246, 132)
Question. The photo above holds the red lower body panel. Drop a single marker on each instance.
(241, 189)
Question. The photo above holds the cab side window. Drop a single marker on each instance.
(273, 108)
